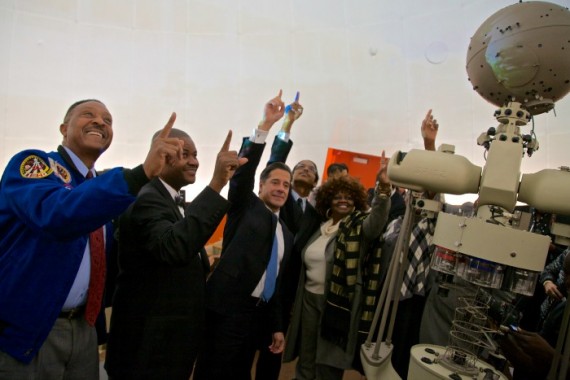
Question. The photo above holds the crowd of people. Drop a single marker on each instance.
(299, 276)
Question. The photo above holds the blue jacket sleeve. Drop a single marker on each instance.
(64, 210)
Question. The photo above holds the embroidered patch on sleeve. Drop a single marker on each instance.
(34, 167)
(60, 171)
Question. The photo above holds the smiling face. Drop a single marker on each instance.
(274, 190)
(88, 130)
(178, 173)
(342, 204)
(305, 172)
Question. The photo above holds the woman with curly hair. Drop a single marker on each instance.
(335, 299)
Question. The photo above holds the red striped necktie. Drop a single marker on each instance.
(97, 275)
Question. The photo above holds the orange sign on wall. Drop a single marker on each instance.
(219, 233)
(361, 166)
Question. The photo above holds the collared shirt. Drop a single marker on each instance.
(259, 136)
(296, 197)
(173, 193)
(280, 251)
(78, 293)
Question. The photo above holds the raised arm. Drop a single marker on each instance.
(376, 220)
(429, 131)
(162, 146)
(293, 112)
(242, 182)
(282, 143)
(272, 111)
(227, 162)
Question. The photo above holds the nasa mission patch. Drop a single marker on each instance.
(34, 167)
(60, 171)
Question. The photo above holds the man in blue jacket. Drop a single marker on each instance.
(55, 222)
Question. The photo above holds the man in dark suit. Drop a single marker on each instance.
(158, 319)
(243, 313)
(300, 217)
(297, 211)
(305, 176)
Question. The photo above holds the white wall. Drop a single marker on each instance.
(360, 66)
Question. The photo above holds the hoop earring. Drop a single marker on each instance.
(328, 213)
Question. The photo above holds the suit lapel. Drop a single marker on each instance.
(288, 244)
(157, 184)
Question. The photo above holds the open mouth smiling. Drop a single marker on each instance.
(96, 133)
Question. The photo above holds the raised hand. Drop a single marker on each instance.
(383, 173)
(273, 111)
(227, 163)
(161, 148)
(383, 185)
(429, 131)
(293, 111)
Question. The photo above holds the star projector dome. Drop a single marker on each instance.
(522, 53)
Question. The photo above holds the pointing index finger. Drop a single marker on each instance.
(226, 146)
(384, 161)
(297, 97)
(168, 127)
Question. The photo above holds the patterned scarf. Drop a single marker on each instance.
(419, 257)
(335, 323)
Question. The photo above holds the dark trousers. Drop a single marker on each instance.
(268, 365)
(406, 332)
(232, 342)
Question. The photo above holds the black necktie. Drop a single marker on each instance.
(300, 203)
(180, 201)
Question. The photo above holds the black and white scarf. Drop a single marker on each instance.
(335, 323)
